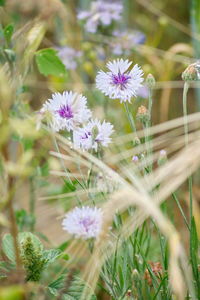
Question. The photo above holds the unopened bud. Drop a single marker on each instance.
(150, 81)
(143, 114)
(192, 72)
(135, 273)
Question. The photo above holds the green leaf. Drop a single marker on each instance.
(53, 291)
(51, 255)
(194, 248)
(7, 247)
(64, 246)
(8, 244)
(68, 297)
(8, 31)
(76, 289)
(2, 2)
(68, 187)
(58, 283)
(48, 63)
(64, 256)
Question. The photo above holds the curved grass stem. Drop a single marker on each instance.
(185, 91)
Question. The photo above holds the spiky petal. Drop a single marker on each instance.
(83, 222)
(121, 81)
(66, 111)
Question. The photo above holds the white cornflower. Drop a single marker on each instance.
(101, 13)
(66, 111)
(92, 135)
(84, 222)
(119, 83)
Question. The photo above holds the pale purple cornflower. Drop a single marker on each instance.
(92, 135)
(69, 56)
(101, 13)
(121, 81)
(125, 41)
(66, 111)
(83, 222)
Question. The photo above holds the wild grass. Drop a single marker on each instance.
(148, 245)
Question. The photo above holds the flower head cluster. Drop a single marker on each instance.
(121, 81)
(93, 134)
(69, 56)
(125, 41)
(84, 222)
(66, 111)
(101, 13)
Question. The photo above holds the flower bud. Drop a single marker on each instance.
(135, 273)
(150, 81)
(192, 72)
(143, 114)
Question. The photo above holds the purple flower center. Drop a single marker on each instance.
(120, 79)
(87, 222)
(86, 135)
(65, 112)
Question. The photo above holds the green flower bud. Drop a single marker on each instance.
(192, 72)
(143, 114)
(150, 81)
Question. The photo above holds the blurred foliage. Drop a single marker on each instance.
(30, 70)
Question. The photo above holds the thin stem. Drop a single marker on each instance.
(13, 224)
(32, 200)
(130, 118)
(150, 102)
(185, 91)
(62, 162)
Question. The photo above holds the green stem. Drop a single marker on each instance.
(185, 91)
(32, 200)
(61, 160)
(150, 102)
(130, 118)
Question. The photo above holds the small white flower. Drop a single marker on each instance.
(66, 111)
(93, 134)
(84, 222)
(119, 83)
